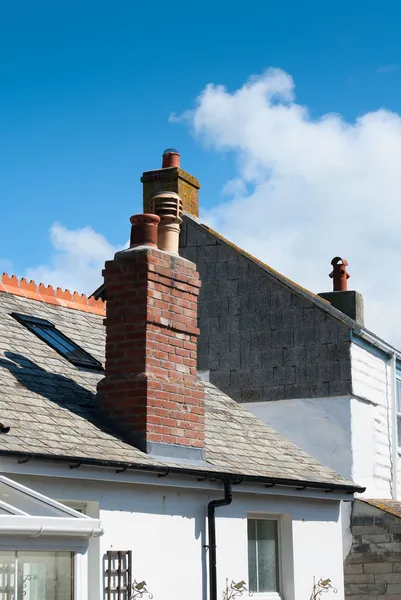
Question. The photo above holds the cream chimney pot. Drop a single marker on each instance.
(168, 206)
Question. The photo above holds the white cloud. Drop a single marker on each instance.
(77, 259)
(317, 188)
(387, 69)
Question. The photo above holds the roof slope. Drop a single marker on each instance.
(51, 409)
(393, 507)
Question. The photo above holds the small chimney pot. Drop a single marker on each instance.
(144, 230)
(339, 274)
(171, 158)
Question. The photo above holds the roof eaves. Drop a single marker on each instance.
(165, 469)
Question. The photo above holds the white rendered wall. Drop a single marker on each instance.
(371, 422)
(320, 426)
(352, 435)
(166, 530)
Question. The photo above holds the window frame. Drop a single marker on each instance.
(278, 595)
(16, 551)
(29, 322)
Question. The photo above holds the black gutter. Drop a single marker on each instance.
(197, 473)
(211, 522)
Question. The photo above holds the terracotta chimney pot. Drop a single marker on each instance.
(144, 230)
(171, 158)
(339, 274)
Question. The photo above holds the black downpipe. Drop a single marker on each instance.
(211, 521)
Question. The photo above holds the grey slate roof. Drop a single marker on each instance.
(51, 408)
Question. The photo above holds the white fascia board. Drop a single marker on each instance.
(87, 473)
(84, 527)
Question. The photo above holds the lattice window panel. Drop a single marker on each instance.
(118, 575)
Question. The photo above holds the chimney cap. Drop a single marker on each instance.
(168, 205)
(338, 260)
(170, 151)
(167, 194)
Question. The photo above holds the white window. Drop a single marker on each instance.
(36, 575)
(263, 556)
(398, 392)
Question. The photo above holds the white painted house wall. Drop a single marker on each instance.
(320, 426)
(351, 434)
(165, 526)
(372, 422)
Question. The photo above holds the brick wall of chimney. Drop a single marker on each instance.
(151, 386)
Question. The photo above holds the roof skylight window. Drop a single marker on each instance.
(46, 331)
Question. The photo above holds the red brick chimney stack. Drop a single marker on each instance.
(150, 386)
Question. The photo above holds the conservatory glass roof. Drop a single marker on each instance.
(24, 511)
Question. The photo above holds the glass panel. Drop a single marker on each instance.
(51, 336)
(63, 345)
(45, 575)
(29, 504)
(267, 555)
(252, 567)
(7, 575)
(262, 555)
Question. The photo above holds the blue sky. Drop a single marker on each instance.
(87, 89)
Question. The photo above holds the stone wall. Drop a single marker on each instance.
(373, 566)
(260, 339)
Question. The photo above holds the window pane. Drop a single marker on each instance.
(267, 555)
(51, 336)
(262, 555)
(28, 503)
(252, 569)
(45, 575)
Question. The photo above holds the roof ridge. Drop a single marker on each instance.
(49, 295)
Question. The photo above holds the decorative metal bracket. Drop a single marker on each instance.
(139, 590)
(322, 587)
(234, 590)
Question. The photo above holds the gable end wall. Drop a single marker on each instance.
(260, 340)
